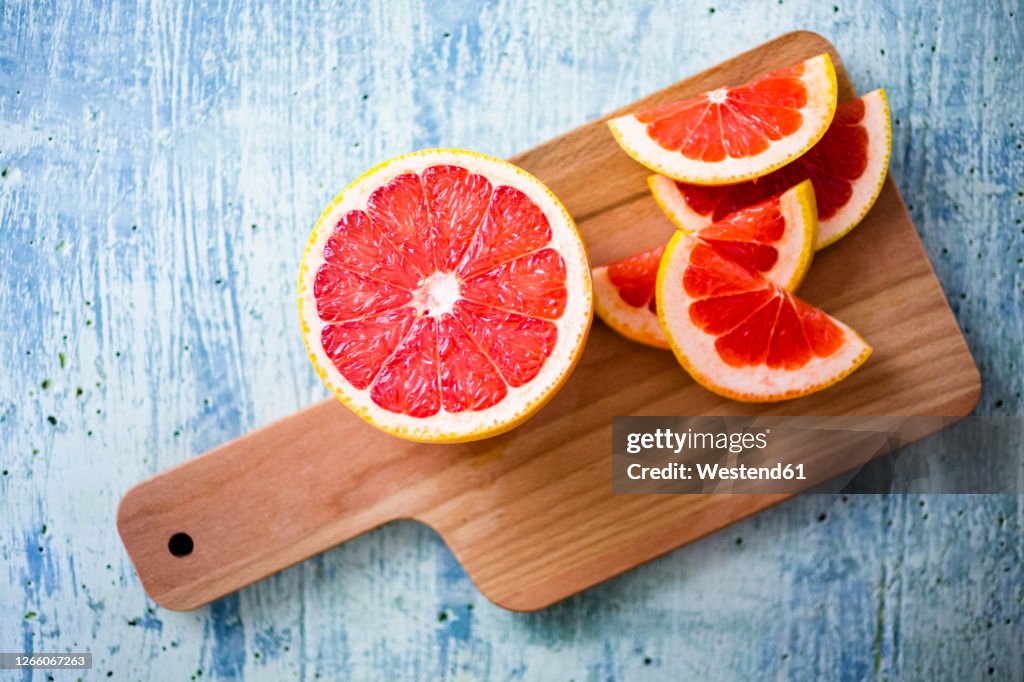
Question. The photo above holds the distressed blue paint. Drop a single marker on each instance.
(229, 652)
(142, 143)
(148, 621)
(455, 620)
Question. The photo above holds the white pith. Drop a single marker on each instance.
(718, 96)
(437, 294)
(521, 401)
(696, 351)
(674, 204)
(638, 324)
(865, 189)
(819, 77)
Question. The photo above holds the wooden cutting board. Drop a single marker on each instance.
(531, 514)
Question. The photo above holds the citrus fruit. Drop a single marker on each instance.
(847, 167)
(743, 336)
(445, 296)
(624, 297)
(774, 238)
(732, 134)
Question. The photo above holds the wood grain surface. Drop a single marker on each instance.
(161, 165)
(531, 515)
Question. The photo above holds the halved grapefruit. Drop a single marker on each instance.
(848, 167)
(445, 296)
(743, 336)
(732, 134)
(774, 238)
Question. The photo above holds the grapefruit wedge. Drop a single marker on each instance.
(848, 167)
(743, 336)
(732, 134)
(624, 297)
(774, 238)
(445, 296)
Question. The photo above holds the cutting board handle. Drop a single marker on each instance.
(263, 502)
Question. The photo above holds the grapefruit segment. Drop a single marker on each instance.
(518, 345)
(723, 313)
(635, 277)
(445, 296)
(772, 239)
(398, 211)
(514, 225)
(624, 297)
(359, 348)
(533, 284)
(457, 201)
(469, 380)
(847, 167)
(744, 336)
(356, 246)
(407, 384)
(732, 134)
(345, 295)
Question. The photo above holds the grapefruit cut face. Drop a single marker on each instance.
(847, 167)
(736, 133)
(773, 238)
(445, 296)
(743, 336)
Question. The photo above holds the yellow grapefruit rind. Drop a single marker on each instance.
(577, 269)
(679, 334)
(636, 324)
(799, 202)
(877, 121)
(819, 76)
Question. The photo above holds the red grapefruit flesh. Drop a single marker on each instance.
(773, 238)
(445, 296)
(847, 168)
(735, 133)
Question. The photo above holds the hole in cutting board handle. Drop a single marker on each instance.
(180, 544)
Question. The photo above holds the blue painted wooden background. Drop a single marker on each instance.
(162, 164)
